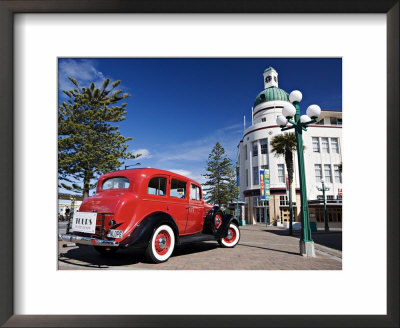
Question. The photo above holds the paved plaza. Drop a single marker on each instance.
(260, 248)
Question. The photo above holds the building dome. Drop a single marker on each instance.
(269, 94)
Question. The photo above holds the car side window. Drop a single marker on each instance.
(178, 189)
(195, 193)
(157, 186)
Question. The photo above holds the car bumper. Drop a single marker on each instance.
(87, 240)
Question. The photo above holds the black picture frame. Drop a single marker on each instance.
(10, 7)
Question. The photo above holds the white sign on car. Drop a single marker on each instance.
(84, 222)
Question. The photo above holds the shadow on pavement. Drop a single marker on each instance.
(92, 259)
(271, 249)
(332, 239)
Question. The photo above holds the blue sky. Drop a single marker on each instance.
(180, 107)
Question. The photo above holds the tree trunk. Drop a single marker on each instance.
(86, 185)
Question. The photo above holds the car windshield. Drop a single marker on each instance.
(115, 183)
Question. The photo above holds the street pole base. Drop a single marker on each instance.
(242, 222)
(307, 248)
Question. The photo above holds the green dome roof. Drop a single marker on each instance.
(272, 93)
(270, 69)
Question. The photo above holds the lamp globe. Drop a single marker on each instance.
(281, 120)
(295, 96)
(304, 119)
(288, 110)
(313, 111)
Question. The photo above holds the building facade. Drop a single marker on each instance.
(322, 155)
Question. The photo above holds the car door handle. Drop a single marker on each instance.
(188, 207)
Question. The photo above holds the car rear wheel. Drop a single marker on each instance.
(232, 238)
(106, 251)
(161, 244)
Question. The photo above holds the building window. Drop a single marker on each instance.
(335, 145)
(263, 119)
(315, 144)
(329, 197)
(318, 215)
(284, 201)
(247, 177)
(318, 172)
(255, 149)
(268, 79)
(264, 146)
(256, 201)
(281, 173)
(256, 175)
(336, 121)
(264, 167)
(338, 174)
(245, 151)
(328, 173)
(325, 145)
(320, 122)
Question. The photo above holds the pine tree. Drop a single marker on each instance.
(232, 186)
(88, 143)
(220, 177)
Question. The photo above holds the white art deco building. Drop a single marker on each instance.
(322, 155)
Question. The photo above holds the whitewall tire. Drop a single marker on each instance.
(232, 238)
(161, 244)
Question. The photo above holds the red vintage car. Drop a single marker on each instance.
(150, 209)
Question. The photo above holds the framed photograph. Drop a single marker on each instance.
(34, 35)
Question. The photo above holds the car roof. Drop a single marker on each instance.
(146, 172)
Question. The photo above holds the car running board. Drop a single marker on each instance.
(196, 237)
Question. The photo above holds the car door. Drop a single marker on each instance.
(155, 195)
(178, 202)
(195, 210)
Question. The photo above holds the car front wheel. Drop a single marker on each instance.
(161, 244)
(232, 238)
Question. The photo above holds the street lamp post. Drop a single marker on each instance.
(324, 188)
(299, 124)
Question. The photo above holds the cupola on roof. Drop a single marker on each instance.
(270, 69)
(271, 90)
(270, 94)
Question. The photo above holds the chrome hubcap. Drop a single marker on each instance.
(229, 234)
(162, 242)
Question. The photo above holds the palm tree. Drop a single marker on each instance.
(285, 145)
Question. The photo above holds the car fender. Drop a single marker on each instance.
(140, 236)
(209, 221)
(222, 231)
(227, 219)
